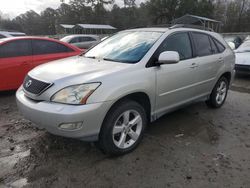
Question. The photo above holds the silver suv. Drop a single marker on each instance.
(111, 92)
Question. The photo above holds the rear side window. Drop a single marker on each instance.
(180, 43)
(16, 48)
(221, 47)
(213, 46)
(202, 43)
(48, 47)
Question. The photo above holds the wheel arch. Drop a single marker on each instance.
(140, 97)
(227, 75)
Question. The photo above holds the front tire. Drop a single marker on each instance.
(123, 128)
(219, 93)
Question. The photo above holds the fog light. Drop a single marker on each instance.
(71, 126)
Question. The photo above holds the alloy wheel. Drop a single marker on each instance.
(127, 129)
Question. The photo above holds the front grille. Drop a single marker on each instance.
(34, 86)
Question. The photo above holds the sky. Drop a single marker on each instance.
(12, 8)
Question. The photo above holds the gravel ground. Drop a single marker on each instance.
(192, 147)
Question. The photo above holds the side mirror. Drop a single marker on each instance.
(169, 57)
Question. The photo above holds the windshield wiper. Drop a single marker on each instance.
(91, 57)
(107, 59)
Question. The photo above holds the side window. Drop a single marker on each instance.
(213, 46)
(180, 43)
(16, 48)
(220, 46)
(82, 39)
(75, 40)
(86, 39)
(48, 47)
(202, 43)
(90, 39)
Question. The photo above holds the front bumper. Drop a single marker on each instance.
(244, 69)
(50, 115)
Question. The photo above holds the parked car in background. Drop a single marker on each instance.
(242, 54)
(82, 41)
(6, 34)
(131, 78)
(21, 54)
(237, 41)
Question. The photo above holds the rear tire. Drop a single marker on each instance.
(219, 93)
(123, 128)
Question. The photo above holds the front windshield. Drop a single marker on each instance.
(125, 47)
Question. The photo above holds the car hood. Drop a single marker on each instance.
(74, 67)
(242, 58)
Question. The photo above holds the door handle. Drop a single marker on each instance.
(193, 66)
(220, 60)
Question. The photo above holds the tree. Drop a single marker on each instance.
(30, 23)
(48, 17)
(129, 3)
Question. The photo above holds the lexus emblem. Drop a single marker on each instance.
(28, 84)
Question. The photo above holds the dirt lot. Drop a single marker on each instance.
(193, 147)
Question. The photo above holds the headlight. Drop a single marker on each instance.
(77, 94)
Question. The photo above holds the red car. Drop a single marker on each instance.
(19, 55)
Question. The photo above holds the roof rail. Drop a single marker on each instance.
(191, 26)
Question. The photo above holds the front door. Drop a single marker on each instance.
(176, 82)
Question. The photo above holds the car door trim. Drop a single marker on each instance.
(186, 87)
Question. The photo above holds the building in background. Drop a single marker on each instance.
(86, 29)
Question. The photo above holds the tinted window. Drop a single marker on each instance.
(86, 39)
(213, 46)
(203, 47)
(178, 42)
(16, 49)
(48, 47)
(75, 40)
(220, 46)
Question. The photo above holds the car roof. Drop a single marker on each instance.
(27, 37)
(39, 38)
(165, 29)
(150, 29)
(81, 35)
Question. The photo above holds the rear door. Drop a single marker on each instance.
(15, 62)
(45, 51)
(209, 61)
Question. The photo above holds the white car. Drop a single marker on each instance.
(242, 54)
(82, 41)
(7, 34)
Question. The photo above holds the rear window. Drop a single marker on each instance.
(16, 48)
(202, 43)
(48, 47)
